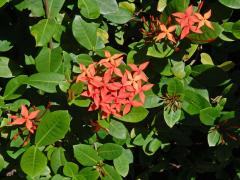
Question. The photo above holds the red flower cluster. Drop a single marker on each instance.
(191, 21)
(26, 118)
(111, 90)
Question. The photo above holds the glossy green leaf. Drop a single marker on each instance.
(35, 6)
(193, 102)
(4, 68)
(52, 128)
(43, 31)
(236, 29)
(12, 87)
(33, 162)
(121, 16)
(175, 87)
(70, 169)
(45, 81)
(121, 163)
(2, 163)
(85, 33)
(206, 59)
(160, 50)
(89, 8)
(107, 6)
(151, 100)
(5, 46)
(86, 155)
(111, 173)
(172, 117)
(54, 7)
(136, 114)
(213, 137)
(49, 60)
(235, 4)
(209, 115)
(57, 159)
(117, 129)
(161, 5)
(89, 173)
(110, 151)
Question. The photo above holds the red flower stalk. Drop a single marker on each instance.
(113, 92)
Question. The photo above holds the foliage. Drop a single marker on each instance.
(119, 89)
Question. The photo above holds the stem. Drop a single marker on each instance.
(46, 9)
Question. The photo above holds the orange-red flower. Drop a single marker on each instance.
(26, 118)
(187, 21)
(166, 32)
(203, 20)
(113, 92)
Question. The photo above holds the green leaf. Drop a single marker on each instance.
(85, 33)
(3, 2)
(86, 155)
(70, 169)
(160, 50)
(43, 31)
(117, 129)
(206, 59)
(89, 173)
(161, 5)
(89, 8)
(107, 6)
(45, 81)
(5, 72)
(33, 162)
(111, 173)
(175, 87)
(178, 69)
(121, 163)
(5, 46)
(193, 102)
(110, 151)
(49, 60)
(84, 59)
(57, 159)
(236, 29)
(213, 137)
(59, 177)
(121, 16)
(35, 6)
(12, 86)
(234, 4)
(52, 128)
(136, 114)
(207, 35)
(54, 7)
(209, 115)
(151, 100)
(131, 7)
(172, 117)
(2, 163)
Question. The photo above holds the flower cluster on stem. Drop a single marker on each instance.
(114, 91)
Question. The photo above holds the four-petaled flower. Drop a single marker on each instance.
(166, 32)
(204, 19)
(26, 118)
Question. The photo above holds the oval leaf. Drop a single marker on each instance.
(52, 128)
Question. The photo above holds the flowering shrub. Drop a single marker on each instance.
(110, 89)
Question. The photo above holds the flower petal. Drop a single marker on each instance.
(24, 111)
(33, 114)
